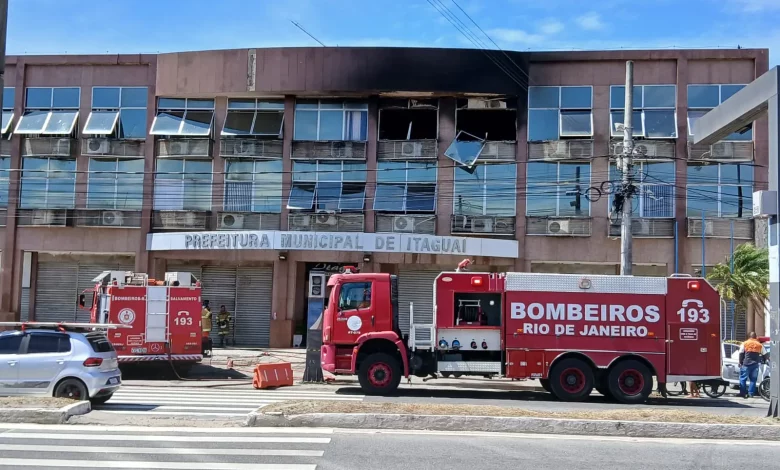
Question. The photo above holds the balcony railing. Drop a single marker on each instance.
(48, 146)
(325, 222)
(407, 150)
(329, 150)
(720, 228)
(556, 150)
(721, 151)
(647, 228)
(107, 147)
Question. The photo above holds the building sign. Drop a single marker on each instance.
(333, 241)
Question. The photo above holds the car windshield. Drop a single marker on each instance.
(99, 343)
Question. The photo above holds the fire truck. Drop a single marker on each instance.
(574, 333)
(162, 318)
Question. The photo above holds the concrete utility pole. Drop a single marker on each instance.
(626, 167)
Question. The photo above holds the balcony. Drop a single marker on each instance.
(645, 149)
(107, 147)
(180, 220)
(248, 221)
(406, 223)
(183, 148)
(482, 225)
(560, 150)
(328, 150)
(721, 152)
(325, 222)
(108, 218)
(647, 228)
(559, 226)
(250, 148)
(407, 150)
(720, 228)
(48, 147)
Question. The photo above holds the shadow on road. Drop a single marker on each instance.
(166, 372)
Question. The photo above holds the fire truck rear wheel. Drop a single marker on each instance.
(571, 380)
(379, 374)
(545, 383)
(630, 382)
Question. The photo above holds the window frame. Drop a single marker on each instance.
(720, 184)
(5, 180)
(319, 109)
(184, 110)
(117, 178)
(183, 173)
(18, 348)
(253, 182)
(640, 183)
(720, 86)
(557, 185)
(406, 183)
(25, 350)
(485, 183)
(257, 109)
(8, 110)
(49, 110)
(561, 110)
(315, 181)
(370, 295)
(641, 109)
(48, 179)
(115, 129)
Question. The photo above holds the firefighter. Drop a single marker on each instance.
(223, 323)
(751, 354)
(206, 343)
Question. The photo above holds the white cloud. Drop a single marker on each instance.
(590, 21)
(515, 36)
(753, 6)
(551, 26)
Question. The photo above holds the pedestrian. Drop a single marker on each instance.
(205, 324)
(751, 353)
(223, 323)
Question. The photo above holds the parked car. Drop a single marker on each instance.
(730, 355)
(81, 365)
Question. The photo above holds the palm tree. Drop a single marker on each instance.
(748, 285)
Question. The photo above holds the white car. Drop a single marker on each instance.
(81, 365)
(730, 357)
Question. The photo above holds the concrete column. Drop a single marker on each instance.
(142, 255)
(599, 168)
(446, 173)
(218, 163)
(521, 155)
(287, 135)
(282, 325)
(684, 259)
(371, 150)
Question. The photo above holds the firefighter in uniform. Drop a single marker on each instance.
(223, 323)
(751, 354)
(205, 314)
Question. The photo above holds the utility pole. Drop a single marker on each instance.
(626, 164)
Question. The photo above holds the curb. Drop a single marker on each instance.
(44, 416)
(516, 425)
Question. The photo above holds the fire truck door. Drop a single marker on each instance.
(356, 310)
(688, 339)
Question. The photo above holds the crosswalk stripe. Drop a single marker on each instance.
(14, 463)
(160, 450)
(142, 407)
(163, 429)
(250, 394)
(158, 438)
(171, 413)
(225, 401)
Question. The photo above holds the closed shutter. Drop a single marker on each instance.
(56, 288)
(219, 288)
(88, 272)
(24, 314)
(253, 306)
(416, 287)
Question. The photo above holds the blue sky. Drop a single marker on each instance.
(127, 26)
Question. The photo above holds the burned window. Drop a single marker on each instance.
(487, 119)
(255, 118)
(408, 119)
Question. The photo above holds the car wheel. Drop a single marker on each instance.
(101, 399)
(71, 388)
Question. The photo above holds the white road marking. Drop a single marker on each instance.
(61, 436)
(172, 429)
(172, 413)
(15, 463)
(130, 406)
(33, 448)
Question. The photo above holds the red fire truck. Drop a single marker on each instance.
(164, 317)
(572, 332)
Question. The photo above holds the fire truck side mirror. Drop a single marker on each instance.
(82, 300)
(85, 300)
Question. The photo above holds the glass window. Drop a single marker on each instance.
(655, 196)
(660, 124)
(132, 123)
(661, 96)
(184, 117)
(389, 197)
(167, 123)
(268, 123)
(238, 123)
(576, 97)
(252, 117)
(400, 187)
(544, 97)
(48, 343)
(703, 96)
(305, 125)
(420, 198)
(706, 97)
(38, 98)
(720, 190)
(617, 97)
(557, 189)
(32, 122)
(103, 97)
(327, 196)
(253, 186)
(182, 184)
(330, 192)
(570, 116)
(355, 295)
(330, 120)
(353, 197)
(727, 91)
(9, 96)
(134, 97)
(9, 344)
(576, 123)
(101, 122)
(48, 183)
(301, 197)
(60, 122)
(5, 165)
(489, 190)
(115, 183)
(543, 125)
(654, 113)
(123, 106)
(65, 98)
(617, 117)
(197, 123)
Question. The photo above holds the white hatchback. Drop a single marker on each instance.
(55, 363)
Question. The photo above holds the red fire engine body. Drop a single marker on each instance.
(574, 333)
(163, 317)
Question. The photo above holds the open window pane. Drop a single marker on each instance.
(61, 122)
(32, 122)
(694, 116)
(660, 96)
(101, 122)
(353, 197)
(660, 124)
(703, 96)
(576, 97)
(105, 98)
(464, 152)
(268, 123)
(8, 116)
(576, 123)
(238, 123)
(301, 197)
(197, 123)
(544, 97)
(543, 125)
(617, 117)
(132, 124)
(421, 198)
(328, 195)
(167, 123)
(389, 197)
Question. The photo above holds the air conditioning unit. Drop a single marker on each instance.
(177, 219)
(490, 150)
(231, 221)
(557, 149)
(558, 227)
(482, 225)
(61, 147)
(646, 149)
(98, 146)
(326, 219)
(42, 217)
(300, 221)
(459, 223)
(246, 148)
(403, 224)
(708, 228)
(111, 218)
(411, 149)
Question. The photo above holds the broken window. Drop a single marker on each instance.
(465, 149)
(487, 119)
(408, 119)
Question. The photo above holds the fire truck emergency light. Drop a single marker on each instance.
(476, 281)
(694, 285)
(455, 344)
(443, 344)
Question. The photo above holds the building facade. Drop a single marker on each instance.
(262, 171)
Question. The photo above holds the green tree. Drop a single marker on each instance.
(748, 285)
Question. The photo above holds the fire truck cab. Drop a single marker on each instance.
(163, 318)
(574, 333)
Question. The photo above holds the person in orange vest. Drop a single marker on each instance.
(751, 354)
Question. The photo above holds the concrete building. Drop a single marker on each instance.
(261, 171)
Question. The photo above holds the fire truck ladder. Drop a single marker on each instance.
(421, 336)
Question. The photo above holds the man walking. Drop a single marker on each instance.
(751, 353)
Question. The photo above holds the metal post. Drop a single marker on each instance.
(731, 269)
(703, 249)
(676, 250)
(626, 245)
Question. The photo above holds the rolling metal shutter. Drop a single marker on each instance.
(56, 289)
(24, 313)
(253, 306)
(417, 287)
(219, 288)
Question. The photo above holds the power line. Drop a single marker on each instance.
(307, 33)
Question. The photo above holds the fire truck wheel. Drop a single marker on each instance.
(571, 380)
(71, 388)
(379, 374)
(545, 383)
(603, 389)
(630, 382)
